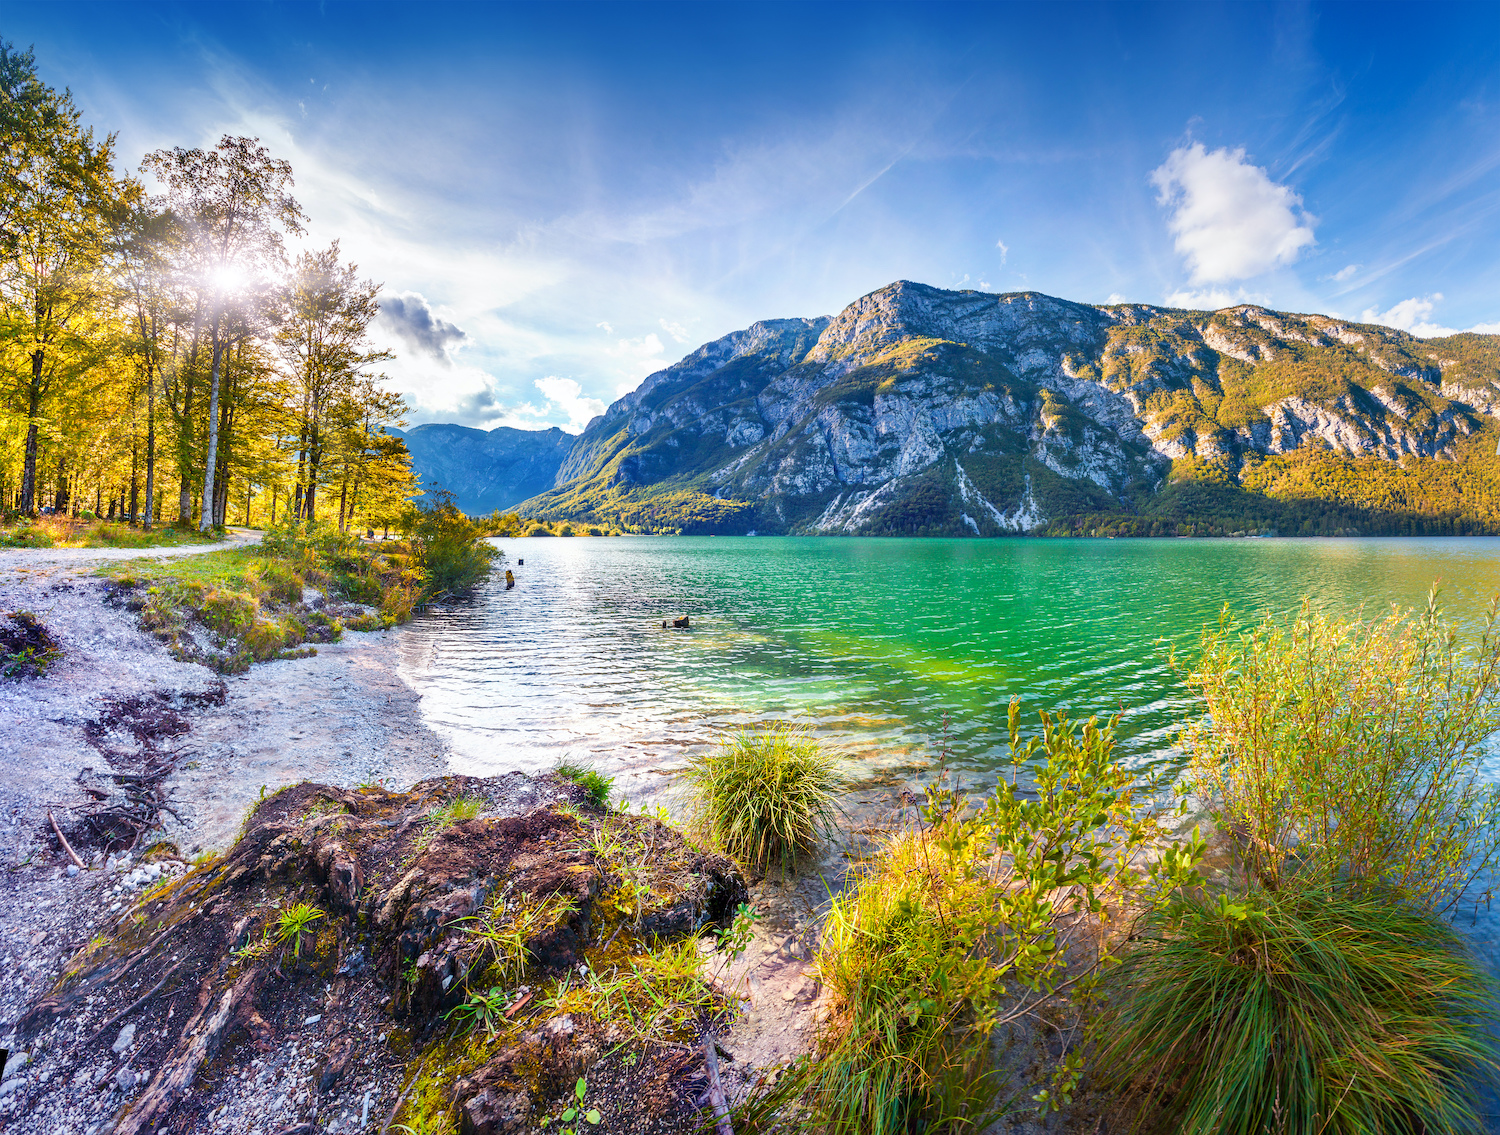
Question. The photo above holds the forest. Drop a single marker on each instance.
(167, 354)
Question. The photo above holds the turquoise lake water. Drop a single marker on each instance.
(870, 642)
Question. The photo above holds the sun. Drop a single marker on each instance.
(228, 277)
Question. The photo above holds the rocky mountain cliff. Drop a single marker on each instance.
(486, 470)
(918, 410)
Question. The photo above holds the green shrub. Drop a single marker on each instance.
(447, 546)
(282, 582)
(966, 924)
(589, 778)
(767, 799)
(1338, 1011)
(1340, 749)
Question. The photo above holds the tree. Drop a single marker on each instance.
(56, 185)
(324, 341)
(235, 207)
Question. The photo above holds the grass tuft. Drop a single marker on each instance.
(1313, 1011)
(767, 799)
(590, 779)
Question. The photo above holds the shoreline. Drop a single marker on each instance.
(343, 717)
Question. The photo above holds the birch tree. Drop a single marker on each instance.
(236, 208)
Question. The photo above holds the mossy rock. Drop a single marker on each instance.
(394, 893)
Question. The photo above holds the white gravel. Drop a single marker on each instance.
(343, 717)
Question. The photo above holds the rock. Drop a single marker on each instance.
(339, 1058)
(9, 1087)
(17, 1061)
(496, 1113)
(314, 1019)
(72, 870)
(125, 1039)
(124, 1079)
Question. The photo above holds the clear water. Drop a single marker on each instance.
(871, 643)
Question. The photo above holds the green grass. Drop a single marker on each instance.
(63, 532)
(1321, 1011)
(590, 779)
(767, 799)
(454, 811)
(293, 922)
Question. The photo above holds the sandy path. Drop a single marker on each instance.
(31, 558)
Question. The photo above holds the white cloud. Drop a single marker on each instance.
(642, 350)
(1212, 299)
(1345, 273)
(1115, 297)
(676, 330)
(1004, 251)
(566, 396)
(605, 327)
(1411, 316)
(986, 286)
(1230, 220)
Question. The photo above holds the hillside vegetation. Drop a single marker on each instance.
(918, 411)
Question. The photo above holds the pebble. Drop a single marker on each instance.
(17, 1061)
(314, 1019)
(72, 870)
(11, 1085)
(125, 1039)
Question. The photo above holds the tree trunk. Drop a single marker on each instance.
(33, 406)
(206, 521)
(150, 446)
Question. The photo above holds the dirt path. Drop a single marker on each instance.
(29, 559)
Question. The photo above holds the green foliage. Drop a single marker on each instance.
(590, 779)
(507, 926)
(965, 924)
(767, 799)
(1307, 1011)
(458, 809)
(1349, 750)
(737, 936)
(292, 923)
(447, 546)
(27, 647)
(575, 1111)
(483, 1007)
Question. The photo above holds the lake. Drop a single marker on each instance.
(872, 643)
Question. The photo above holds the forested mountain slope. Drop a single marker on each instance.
(922, 411)
(483, 470)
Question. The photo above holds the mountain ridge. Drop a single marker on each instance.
(485, 470)
(921, 410)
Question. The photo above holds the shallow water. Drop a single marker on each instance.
(869, 642)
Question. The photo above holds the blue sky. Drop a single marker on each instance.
(565, 198)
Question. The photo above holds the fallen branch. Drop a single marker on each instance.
(715, 1087)
(402, 1097)
(68, 847)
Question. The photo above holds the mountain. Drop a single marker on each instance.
(922, 411)
(486, 470)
